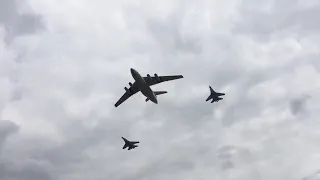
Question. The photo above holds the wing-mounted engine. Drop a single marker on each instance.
(149, 77)
(127, 90)
(158, 79)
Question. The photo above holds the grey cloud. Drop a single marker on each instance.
(166, 32)
(297, 105)
(163, 167)
(6, 129)
(177, 161)
(315, 176)
(17, 170)
(28, 171)
(77, 103)
(187, 114)
(232, 153)
(80, 140)
(17, 95)
(15, 23)
(168, 35)
(282, 15)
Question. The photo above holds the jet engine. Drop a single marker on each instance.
(148, 75)
(127, 90)
(157, 78)
(130, 84)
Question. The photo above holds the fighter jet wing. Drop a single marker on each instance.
(129, 92)
(125, 146)
(152, 80)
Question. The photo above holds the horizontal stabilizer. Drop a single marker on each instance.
(157, 93)
(216, 100)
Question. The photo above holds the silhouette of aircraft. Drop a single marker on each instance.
(142, 84)
(214, 95)
(130, 144)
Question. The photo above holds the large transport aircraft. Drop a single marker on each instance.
(142, 84)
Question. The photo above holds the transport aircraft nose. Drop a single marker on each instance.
(133, 72)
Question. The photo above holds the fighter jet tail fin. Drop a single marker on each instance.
(157, 93)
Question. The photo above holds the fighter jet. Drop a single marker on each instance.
(214, 95)
(142, 84)
(130, 144)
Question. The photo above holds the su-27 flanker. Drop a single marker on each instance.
(129, 144)
(143, 84)
(214, 95)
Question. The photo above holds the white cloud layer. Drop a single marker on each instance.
(63, 65)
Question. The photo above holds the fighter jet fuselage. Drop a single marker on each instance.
(215, 96)
(129, 144)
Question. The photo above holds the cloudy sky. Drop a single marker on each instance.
(64, 64)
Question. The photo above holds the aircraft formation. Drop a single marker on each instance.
(142, 84)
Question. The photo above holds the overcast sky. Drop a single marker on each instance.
(64, 64)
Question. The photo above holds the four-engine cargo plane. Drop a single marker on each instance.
(143, 84)
(214, 95)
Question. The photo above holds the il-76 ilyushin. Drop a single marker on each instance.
(143, 84)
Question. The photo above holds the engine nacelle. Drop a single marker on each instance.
(149, 77)
(127, 90)
(157, 78)
(130, 84)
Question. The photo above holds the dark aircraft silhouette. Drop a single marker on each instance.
(214, 96)
(142, 84)
(130, 144)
